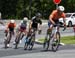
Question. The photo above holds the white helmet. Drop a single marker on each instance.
(25, 19)
(61, 8)
(12, 21)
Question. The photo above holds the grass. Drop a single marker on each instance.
(65, 40)
(68, 40)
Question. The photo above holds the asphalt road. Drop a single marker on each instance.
(67, 51)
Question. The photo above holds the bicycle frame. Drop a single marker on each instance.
(56, 30)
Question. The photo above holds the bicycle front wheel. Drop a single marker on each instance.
(56, 45)
(46, 42)
(32, 41)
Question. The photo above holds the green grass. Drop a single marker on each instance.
(68, 40)
(65, 40)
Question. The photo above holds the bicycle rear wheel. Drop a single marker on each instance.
(56, 45)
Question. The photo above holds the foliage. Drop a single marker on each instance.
(20, 8)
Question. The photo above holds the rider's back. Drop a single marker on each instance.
(54, 15)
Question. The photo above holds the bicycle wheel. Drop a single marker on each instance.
(56, 44)
(6, 41)
(32, 41)
(25, 46)
(46, 42)
(17, 41)
(26, 43)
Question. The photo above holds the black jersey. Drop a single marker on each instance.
(35, 22)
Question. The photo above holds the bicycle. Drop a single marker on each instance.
(8, 38)
(30, 40)
(50, 39)
(18, 38)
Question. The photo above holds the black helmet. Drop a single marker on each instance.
(38, 15)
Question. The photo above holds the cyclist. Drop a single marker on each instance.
(10, 29)
(35, 24)
(22, 28)
(54, 18)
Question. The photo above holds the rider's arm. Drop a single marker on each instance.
(64, 19)
(30, 24)
(31, 21)
(51, 17)
(40, 25)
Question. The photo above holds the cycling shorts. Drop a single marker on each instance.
(56, 22)
(22, 29)
(11, 29)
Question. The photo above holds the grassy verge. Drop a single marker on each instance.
(65, 40)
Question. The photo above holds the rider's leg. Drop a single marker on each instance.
(9, 38)
(50, 27)
(17, 34)
(6, 35)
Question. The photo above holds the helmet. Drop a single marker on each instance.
(25, 19)
(12, 21)
(38, 15)
(61, 8)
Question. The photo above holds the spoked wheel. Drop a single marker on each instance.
(26, 46)
(16, 46)
(46, 43)
(55, 45)
(6, 41)
(17, 42)
(32, 41)
(27, 42)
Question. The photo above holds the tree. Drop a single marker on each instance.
(20, 8)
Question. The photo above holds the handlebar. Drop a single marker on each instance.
(60, 25)
(57, 24)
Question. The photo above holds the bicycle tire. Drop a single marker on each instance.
(17, 41)
(26, 43)
(46, 42)
(6, 41)
(32, 41)
(25, 46)
(55, 47)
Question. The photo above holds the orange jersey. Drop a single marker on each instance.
(55, 16)
(11, 25)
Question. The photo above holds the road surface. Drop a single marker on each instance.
(66, 51)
